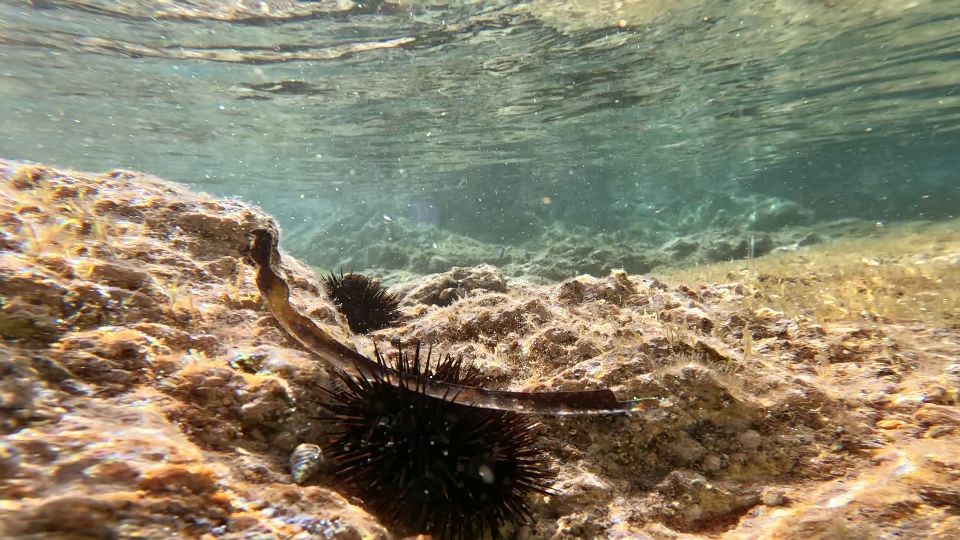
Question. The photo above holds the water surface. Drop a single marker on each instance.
(514, 124)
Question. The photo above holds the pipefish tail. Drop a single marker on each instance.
(276, 295)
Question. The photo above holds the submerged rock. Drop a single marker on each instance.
(146, 392)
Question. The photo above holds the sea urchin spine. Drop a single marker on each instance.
(366, 305)
(433, 466)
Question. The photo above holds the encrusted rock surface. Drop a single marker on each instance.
(146, 393)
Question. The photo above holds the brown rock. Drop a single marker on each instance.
(145, 391)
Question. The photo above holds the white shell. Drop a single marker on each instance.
(305, 461)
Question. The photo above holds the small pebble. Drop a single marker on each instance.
(305, 462)
(891, 424)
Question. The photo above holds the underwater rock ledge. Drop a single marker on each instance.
(147, 392)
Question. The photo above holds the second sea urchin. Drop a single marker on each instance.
(363, 301)
(433, 466)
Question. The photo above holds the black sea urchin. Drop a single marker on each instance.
(366, 305)
(433, 466)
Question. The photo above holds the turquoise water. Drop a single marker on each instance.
(549, 138)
